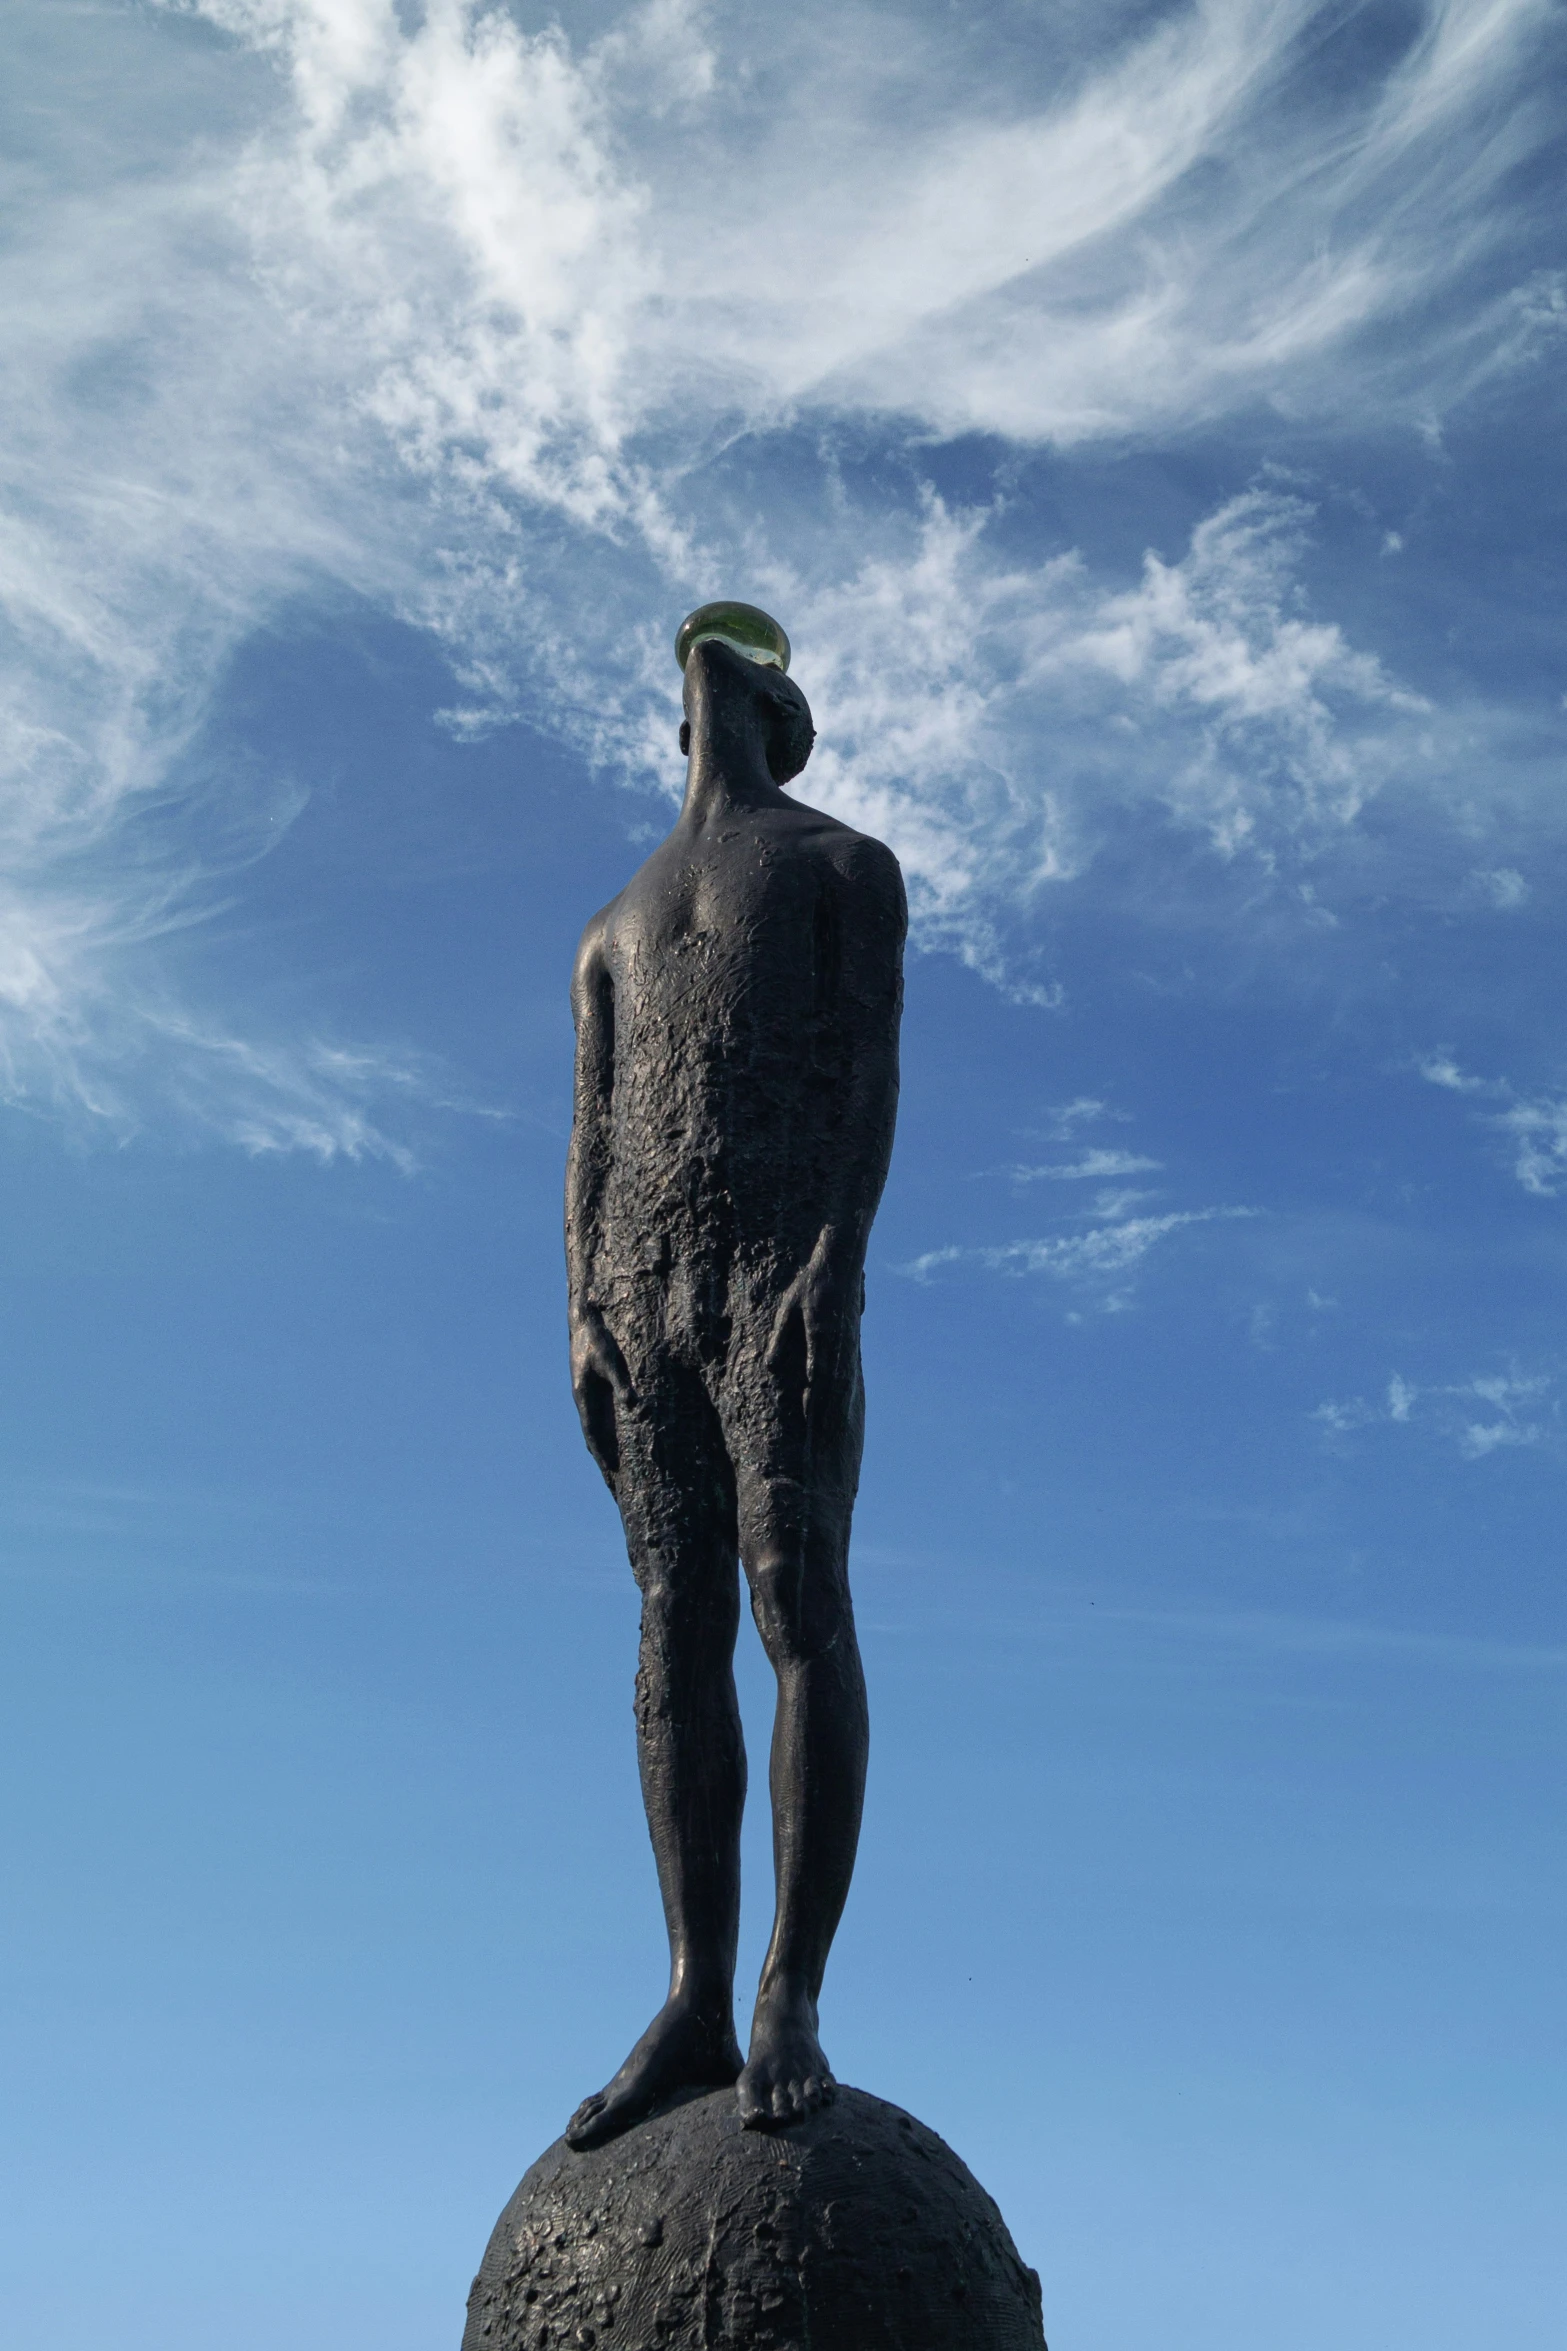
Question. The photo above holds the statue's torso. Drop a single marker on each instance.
(738, 1020)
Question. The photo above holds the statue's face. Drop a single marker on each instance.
(730, 689)
(716, 674)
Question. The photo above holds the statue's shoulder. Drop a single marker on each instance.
(858, 857)
(591, 945)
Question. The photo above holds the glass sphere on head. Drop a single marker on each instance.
(745, 628)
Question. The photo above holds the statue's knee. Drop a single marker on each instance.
(689, 1621)
(796, 1617)
(672, 1629)
(656, 1586)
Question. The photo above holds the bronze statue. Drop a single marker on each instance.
(737, 1014)
(737, 1079)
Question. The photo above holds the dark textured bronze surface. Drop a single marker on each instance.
(737, 1015)
(854, 2230)
(737, 1011)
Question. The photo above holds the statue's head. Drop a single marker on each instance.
(738, 655)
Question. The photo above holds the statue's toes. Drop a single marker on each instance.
(799, 2096)
(579, 2131)
(762, 2106)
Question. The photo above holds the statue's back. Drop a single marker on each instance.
(753, 970)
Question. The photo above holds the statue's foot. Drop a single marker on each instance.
(682, 2049)
(786, 2076)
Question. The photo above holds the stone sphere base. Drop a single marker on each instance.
(856, 2230)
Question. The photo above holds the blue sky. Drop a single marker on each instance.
(1146, 422)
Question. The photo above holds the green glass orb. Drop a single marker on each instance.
(745, 627)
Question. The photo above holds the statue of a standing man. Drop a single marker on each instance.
(737, 1016)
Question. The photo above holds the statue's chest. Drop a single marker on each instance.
(718, 939)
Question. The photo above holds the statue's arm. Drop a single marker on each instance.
(598, 1371)
(863, 924)
(871, 920)
(587, 1158)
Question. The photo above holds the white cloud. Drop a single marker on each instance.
(1117, 1200)
(1032, 259)
(1536, 1127)
(1538, 1130)
(1344, 1418)
(1276, 704)
(467, 320)
(1510, 1397)
(1440, 1069)
(1120, 1231)
(1483, 1437)
(1524, 1412)
(1062, 1122)
(1101, 1256)
(1093, 1165)
(1203, 697)
(1175, 232)
(1504, 886)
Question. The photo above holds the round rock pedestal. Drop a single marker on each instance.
(856, 2230)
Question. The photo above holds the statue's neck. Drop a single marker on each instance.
(725, 778)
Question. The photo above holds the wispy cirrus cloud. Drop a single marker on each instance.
(1028, 257)
(1063, 1122)
(1095, 1166)
(462, 318)
(1489, 1413)
(1538, 1131)
(1097, 1248)
(1205, 699)
(1535, 1126)
(1104, 1254)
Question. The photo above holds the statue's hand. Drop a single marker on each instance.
(600, 1382)
(808, 1328)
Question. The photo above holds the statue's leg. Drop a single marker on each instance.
(795, 1513)
(677, 1501)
